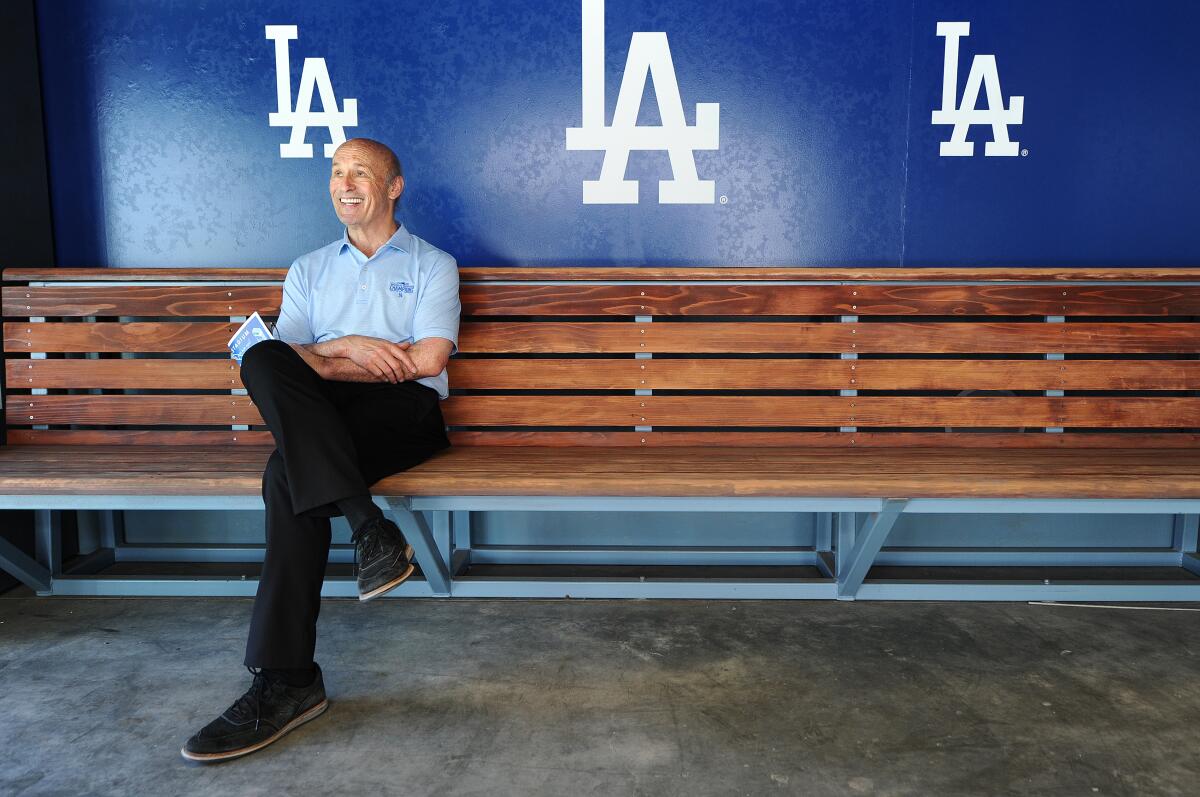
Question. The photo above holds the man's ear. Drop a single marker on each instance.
(396, 188)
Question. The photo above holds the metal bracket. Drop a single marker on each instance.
(1184, 533)
(861, 554)
(425, 547)
(15, 562)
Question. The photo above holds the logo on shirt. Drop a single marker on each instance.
(985, 75)
(400, 287)
(649, 56)
(314, 76)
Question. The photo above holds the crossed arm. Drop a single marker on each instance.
(360, 358)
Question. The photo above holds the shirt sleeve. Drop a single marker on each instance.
(438, 306)
(293, 326)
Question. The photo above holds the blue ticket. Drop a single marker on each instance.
(253, 330)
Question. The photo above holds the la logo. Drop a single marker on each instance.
(983, 73)
(649, 56)
(314, 75)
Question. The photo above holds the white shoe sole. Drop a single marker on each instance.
(311, 714)
(397, 581)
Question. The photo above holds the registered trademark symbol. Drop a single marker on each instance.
(1024, 152)
(724, 199)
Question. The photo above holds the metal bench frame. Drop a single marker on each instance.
(851, 533)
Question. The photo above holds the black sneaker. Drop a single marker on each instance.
(266, 712)
(384, 558)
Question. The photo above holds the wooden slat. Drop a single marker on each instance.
(149, 336)
(1034, 439)
(989, 440)
(667, 471)
(912, 473)
(788, 337)
(645, 299)
(165, 274)
(817, 274)
(737, 411)
(132, 410)
(141, 300)
(776, 374)
(792, 300)
(682, 338)
(634, 274)
(140, 374)
(721, 411)
(660, 374)
(136, 437)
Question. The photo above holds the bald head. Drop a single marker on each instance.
(379, 152)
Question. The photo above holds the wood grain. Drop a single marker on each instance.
(791, 374)
(762, 411)
(140, 300)
(817, 274)
(792, 300)
(731, 273)
(667, 471)
(629, 411)
(160, 374)
(864, 338)
(148, 336)
(136, 437)
(993, 439)
(660, 374)
(161, 274)
(132, 410)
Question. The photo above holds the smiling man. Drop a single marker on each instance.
(351, 394)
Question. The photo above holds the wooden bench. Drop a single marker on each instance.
(851, 397)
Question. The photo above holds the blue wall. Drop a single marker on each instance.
(161, 154)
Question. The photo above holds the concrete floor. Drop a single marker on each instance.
(615, 698)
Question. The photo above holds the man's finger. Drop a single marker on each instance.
(379, 366)
(410, 367)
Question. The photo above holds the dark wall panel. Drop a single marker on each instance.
(26, 237)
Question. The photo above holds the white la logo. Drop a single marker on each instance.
(983, 73)
(650, 55)
(314, 75)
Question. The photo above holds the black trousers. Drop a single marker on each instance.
(333, 440)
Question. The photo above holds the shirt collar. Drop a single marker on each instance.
(401, 241)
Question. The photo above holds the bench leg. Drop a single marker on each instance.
(441, 533)
(865, 548)
(460, 558)
(823, 544)
(15, 562)
(846, 527)
(425, 547)
(47, 529)
(112, 528)
(1185, 541)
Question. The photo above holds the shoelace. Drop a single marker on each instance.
(369, 537)
(254, 695)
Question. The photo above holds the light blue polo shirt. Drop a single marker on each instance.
(408, 290)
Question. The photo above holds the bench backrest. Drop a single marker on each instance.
(689, 356)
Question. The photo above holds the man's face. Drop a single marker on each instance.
(359, 187)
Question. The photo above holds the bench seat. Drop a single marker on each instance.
(666, 471)
(845, 398)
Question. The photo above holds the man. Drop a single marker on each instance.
(351, 394)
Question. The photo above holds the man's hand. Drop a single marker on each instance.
(360, 358)
(389, 361)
